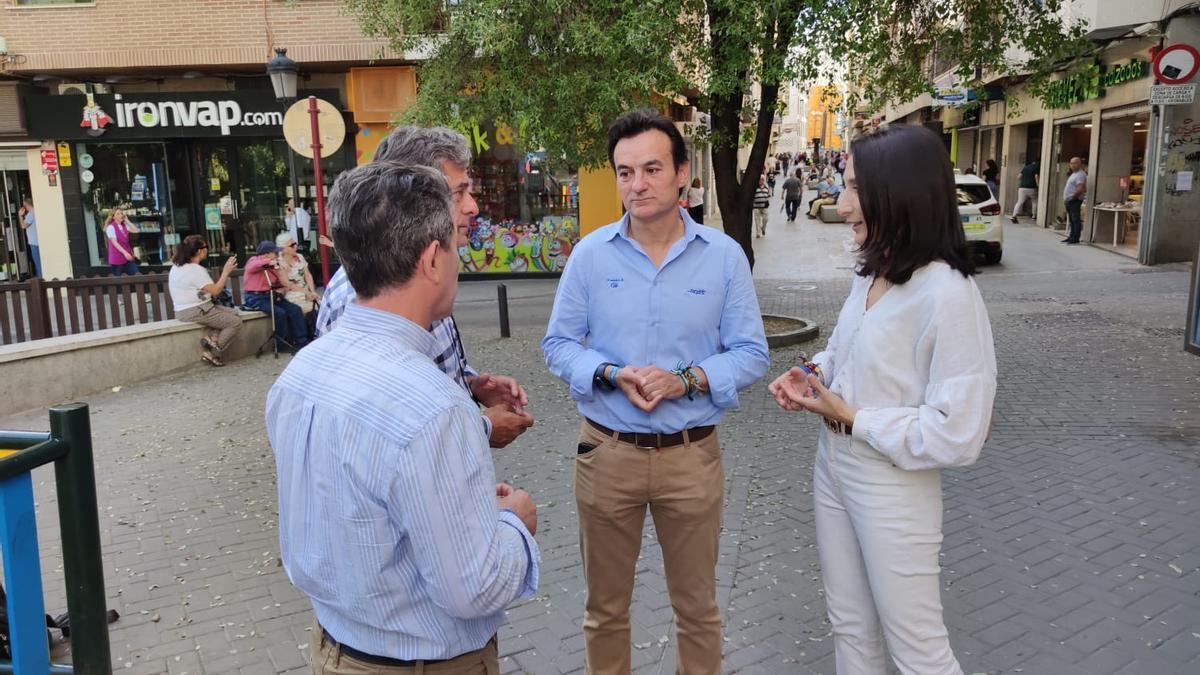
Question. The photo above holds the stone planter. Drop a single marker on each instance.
(783, 331)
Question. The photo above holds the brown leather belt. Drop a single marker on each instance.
(381, 660)
(839, 427)
(648, 440)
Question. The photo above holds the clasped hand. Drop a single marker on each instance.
(796, 390)
(647, 386)
(504, 401)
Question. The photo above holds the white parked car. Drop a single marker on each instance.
(980, 214)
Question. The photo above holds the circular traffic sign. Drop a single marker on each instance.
(297, 128)
(1176, 64)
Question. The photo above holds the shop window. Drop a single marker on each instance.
(133, 177)
(528, 209)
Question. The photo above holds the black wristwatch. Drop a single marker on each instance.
(599, 379)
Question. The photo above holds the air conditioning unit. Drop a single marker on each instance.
(80, 88)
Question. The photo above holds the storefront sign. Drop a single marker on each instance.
(49, 161)
(158, 115)
(1172, 94)
(1091, 81)
(64, 154)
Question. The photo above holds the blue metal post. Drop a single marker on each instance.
(23, 577)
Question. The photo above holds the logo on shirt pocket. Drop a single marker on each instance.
(697, 291)
(614, 282)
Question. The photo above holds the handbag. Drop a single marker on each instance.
(223, 299)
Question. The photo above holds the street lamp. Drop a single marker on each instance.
(284, 73)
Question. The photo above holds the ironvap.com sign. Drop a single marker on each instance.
(158, 115)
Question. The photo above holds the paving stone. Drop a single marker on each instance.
(1071, 546)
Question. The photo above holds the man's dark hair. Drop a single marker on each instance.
(909, 203)
(382, 216)
(187, 248)
(636, 122)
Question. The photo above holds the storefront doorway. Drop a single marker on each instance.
(1120, 177)
(242, 189)
(1071, 139)
(14, 186)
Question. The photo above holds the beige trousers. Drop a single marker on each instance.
(221, 324)
(328, 659)
(683, 486)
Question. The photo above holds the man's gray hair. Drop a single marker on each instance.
(382, 215)
(424, 146)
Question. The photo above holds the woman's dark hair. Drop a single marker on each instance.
(636, 122)
(909, 203)
(991, 164)
(187, 249)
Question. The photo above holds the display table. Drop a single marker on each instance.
(1117, 211)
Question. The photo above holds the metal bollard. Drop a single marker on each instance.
(502, 299)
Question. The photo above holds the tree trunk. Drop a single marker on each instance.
(735, 194)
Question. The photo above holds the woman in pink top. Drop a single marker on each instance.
(120, 252)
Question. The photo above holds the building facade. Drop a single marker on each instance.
(169, 115)
(1098, 109)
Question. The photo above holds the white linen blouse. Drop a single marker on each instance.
(919, 366)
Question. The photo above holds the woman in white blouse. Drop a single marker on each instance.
(905, 387)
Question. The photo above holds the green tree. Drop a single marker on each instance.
(562, 70)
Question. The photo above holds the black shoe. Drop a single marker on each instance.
(1014, 219)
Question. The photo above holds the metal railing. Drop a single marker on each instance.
(40, 308)
(69, 446)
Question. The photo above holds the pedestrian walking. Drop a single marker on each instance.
(390, 517)
(905, 388)
(793, 189)
(762, 200)
(695, 201)
(28, 222)
(1073, 193)
(991, 176)
(504, 417)
(117, 229)
(192, 291)
(1027, 189)
(655, 328)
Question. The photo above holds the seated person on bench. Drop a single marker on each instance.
(262, 277)
(827, 193)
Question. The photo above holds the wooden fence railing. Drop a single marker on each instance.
(38, 309)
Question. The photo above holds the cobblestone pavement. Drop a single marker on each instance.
(1072, 546)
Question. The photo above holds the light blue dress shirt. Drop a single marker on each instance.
(387, 495)
(614, 305)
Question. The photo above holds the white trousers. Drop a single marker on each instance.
(1026, 195)
(879, 532)
(760, 221)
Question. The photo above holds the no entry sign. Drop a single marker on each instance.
(1176, 64)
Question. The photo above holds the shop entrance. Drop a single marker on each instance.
(1120, 175)
(1071, 139)
(241, 189)
(14, 186)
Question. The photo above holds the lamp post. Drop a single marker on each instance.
(284, 73)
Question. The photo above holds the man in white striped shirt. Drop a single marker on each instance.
(390, 519)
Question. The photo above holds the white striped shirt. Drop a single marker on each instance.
(387, 504)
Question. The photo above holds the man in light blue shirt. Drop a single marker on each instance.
(28, 222)
(655, 328)
(390, 519)
(1073, 194)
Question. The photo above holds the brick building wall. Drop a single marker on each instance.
(143, 35)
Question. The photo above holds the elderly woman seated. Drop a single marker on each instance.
(298, 280)
(192, 289)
